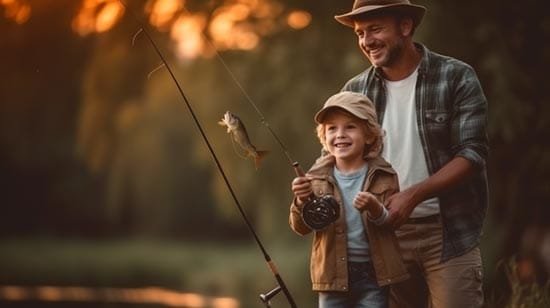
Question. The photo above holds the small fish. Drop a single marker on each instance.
(238, 132)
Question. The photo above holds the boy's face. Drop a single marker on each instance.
(345, 137)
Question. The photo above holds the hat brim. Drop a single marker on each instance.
(415, 11)
(320, 116)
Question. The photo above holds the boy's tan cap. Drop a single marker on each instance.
(355, 103)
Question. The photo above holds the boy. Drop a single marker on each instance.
(355, 258)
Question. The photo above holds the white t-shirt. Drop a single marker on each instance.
(402, 146)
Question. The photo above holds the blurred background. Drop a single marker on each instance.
(110, 198)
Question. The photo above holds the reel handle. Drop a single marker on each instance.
(266, 298)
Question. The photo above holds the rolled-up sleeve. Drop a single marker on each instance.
(469, 128)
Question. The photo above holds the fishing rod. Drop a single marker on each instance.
(271, 264)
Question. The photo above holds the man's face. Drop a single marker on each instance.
(381, 39)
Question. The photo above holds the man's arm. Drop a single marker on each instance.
(401, 204)
(469, 145)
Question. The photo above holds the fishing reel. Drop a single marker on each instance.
(318, 212)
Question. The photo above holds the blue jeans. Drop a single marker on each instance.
(364, 291)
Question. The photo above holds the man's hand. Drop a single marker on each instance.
(400, 207)
(450, 175)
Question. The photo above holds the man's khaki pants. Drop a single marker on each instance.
(456, 283)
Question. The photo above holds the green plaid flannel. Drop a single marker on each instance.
(452, 121)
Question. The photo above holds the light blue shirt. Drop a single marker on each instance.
(350, 185)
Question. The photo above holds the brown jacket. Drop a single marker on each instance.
(329, 250)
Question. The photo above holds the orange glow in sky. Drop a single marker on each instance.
(299, 19)
(16, 10)
(234, 25)
(187, 34)
(97, 16)
(108, 16)
(162, 12)
(229, 30)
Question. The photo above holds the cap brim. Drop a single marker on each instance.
(319, 116)
(415, 11)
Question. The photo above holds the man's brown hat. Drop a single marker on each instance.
(364, 7)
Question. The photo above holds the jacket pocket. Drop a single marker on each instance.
(435, 117)
(379, 191)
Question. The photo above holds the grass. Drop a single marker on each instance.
(515, 292)
(525, 295)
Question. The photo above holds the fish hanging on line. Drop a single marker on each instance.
(236, 129)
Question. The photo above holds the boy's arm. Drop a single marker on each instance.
(366, 201)
(295, 218)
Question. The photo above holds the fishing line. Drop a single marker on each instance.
(318, 212)
(269, 261)
(263, 120)
(260, 114)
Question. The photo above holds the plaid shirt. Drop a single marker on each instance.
(452, 121)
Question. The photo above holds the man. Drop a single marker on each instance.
(434, 113)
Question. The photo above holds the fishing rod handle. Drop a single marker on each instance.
(280, 283)
(298, 169)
